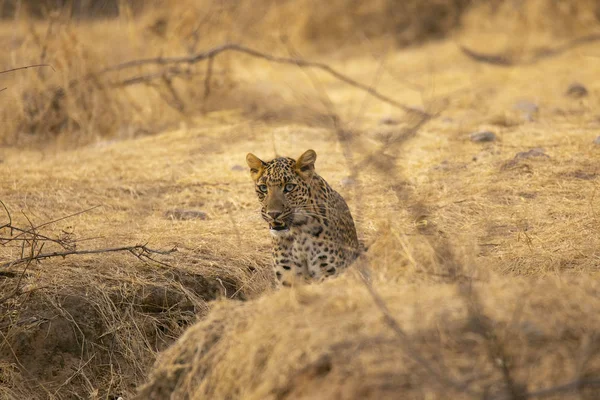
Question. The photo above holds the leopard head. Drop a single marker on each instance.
(283, 188)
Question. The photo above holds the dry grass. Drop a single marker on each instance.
(484, 260)
(332, 342)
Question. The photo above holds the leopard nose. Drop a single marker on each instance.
(274, 214)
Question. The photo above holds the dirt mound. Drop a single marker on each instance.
(85, 332)
(493, 339)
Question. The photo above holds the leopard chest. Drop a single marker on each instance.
(309, 245)
(307, 240)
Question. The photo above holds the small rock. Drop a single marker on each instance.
(185, 215)
(484, 136)
(485, 154)
(526, 106)
(528, 109)
(443, 166)
(576, 90)
(348, 181)
(583, 175)
(388, 121)
(237, 167)
(536, 152)
(531, 331)
(597, 140)
(527, 195)
(505, 120)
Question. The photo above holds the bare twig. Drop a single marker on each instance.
(176, 102)
(495, 59)
(17, 289)
(18, 238)
(212, 53)
(142, 79)
(541, 54)
(19, 292)
(9, 223)
(33, 230)
(26, 67)
(67, 216)
(145, 251)
(565, 388)
(554, 391)
(32, 244)
(209, 69)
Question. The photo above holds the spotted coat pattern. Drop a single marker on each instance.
(313, 231)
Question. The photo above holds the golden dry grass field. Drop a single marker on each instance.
(481, 276)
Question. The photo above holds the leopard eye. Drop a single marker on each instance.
(289, 187)
(262, 188)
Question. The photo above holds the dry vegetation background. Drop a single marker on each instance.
(480, 281)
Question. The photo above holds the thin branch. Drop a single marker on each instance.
(210, 54)
(565, 388)
(541, 54)
(35, 228)
(26, 67)
(495, 59)
(148, 77)
(16, 293)
(38, 236)
(144, 251)
(557, 390)
(178, 104)
(17, 290)
(4, 240)
(67, 216)
(7, 214)
(209, 70)
(31, 238)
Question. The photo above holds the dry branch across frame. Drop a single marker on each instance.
(210, 54)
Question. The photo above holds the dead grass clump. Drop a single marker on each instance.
(331, 341)
(57, 100)
(73, 102)
(82, 333)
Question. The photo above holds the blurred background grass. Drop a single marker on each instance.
(74, 104)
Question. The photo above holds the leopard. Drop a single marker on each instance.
(312, 229)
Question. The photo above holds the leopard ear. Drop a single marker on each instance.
(306, 163)
(257, 166)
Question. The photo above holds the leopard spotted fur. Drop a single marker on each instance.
(313, 231)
